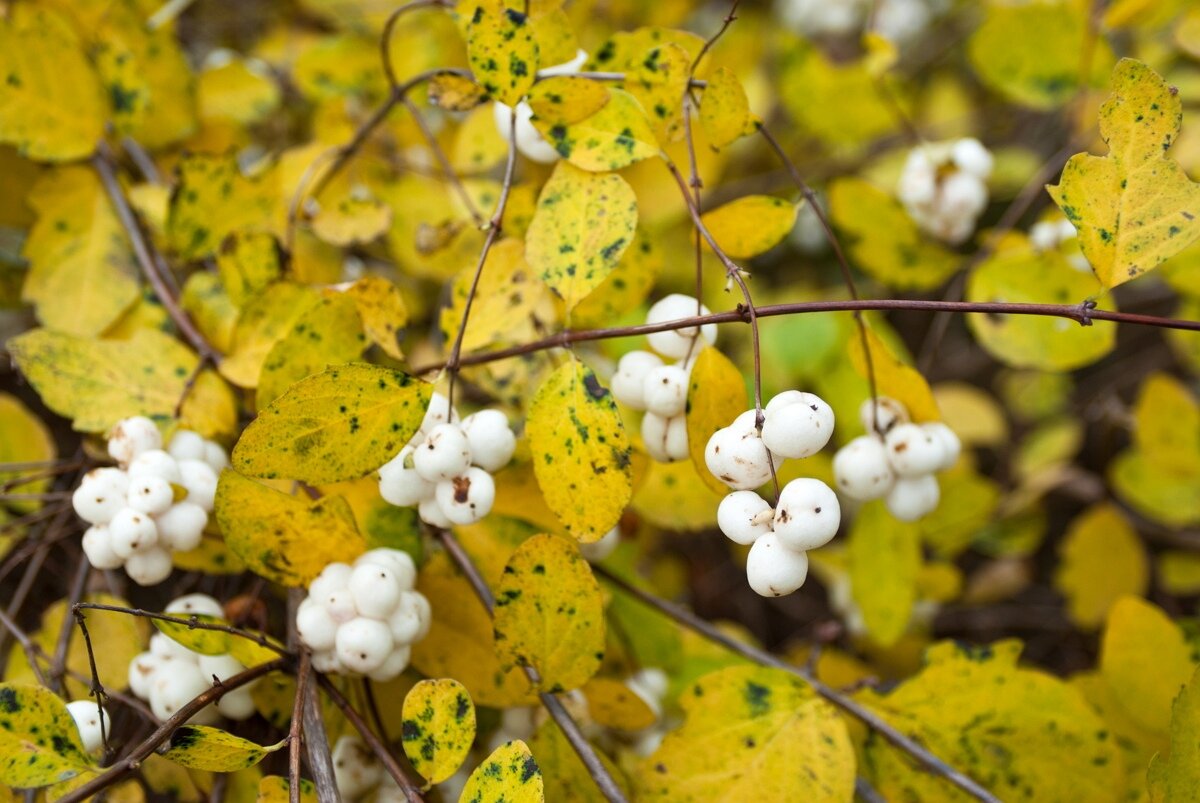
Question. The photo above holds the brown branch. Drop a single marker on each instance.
(190, 622)
(97, 688)
(65, 631)
(316, 743)
(296, 729)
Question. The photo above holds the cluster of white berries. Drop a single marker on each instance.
(356, 770)
(795, 425)
(87, 715)
(944, 187)
(896, 460)
(363, 619)
(900, 21)
(155, 503)
(169, 675)
(445, 470)
(644, 381)
(528, 139)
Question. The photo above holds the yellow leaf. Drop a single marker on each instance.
(264, 321)
(285, 539)
(210, 409)
(205, 301)
(329, 333)
(616, 136)
(675, 496)
(882, 54)
(580, 451)
(346, 65)
(509, 774)
(211, 557)
(82, 276)
(1169, 497)
(351, 219)
(455, 93)
(563, 773)
(1030, 53)
(716, 396)
(240, 90)
(197, 639)
(1009, 728)
(614, 705)
(974, 415)
(894, 378)
(626, 287)
(550, 614)
(968, 502)
(1102, 560)
(724, 109)
(383, 312)
(1173, 778)
(552, 30)
(746, 731)
(247, 263)
(500, 47)
(884, 241)
(1179, 572)
(478, 146)
(1137, 744)
(51, 105)
(813, 90)
(201, 747)
(566, 99)
(23, 439)
(658, 81)
(212, 200)
(1028, 341)
(274, 789)
(885, 558)
(39, 743)
(750, 225)
(583, 224)
(1135, 207)
(1146, 659)
(438, 727)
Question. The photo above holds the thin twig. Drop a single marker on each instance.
(190, 622)
(97, 688)
(296, 729)
(66, 631)
(31, 650)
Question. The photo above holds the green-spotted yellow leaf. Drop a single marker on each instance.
(383, 312)
(248, 263)
(1102, 560)
(501, 48)
(885, 559)
(286, 539)
(205, 301)
(626, 287)
(1173, 778)
(1135, 207)
(266, 318)
(616, 136)
(747, 732)
(340, 424)
(1146, 659)
(583, 224)
(716, 396)
(658, 80)
(275, 789)
(239, 91)
(894, 377)
(200, 747)
(329, 333)
(566, 99)
(212, 200)
(197, 639)
(39, 743)
(581, 454)
(550, 614)
(438, 728)
(724, 109)
(564, 774)
(510, 774)
(455, 93)
(750, 225)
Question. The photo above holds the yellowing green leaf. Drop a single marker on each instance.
(616, 136)
(975, 415)
(51, 105)
(212, 200)
(1102, 560)
(438, 728)
(725, 110)
(1169, 497)
(204, 299)
(968, 502)
(747, 730)
(383, 313)
(329, 333)
(613, 704)
(750, 225)
(1010, 729)
(716, 396)
(566, 99)
(247, 263)
(201, 747)
(23, 439)
(274, 789)
(1179, 572)
(350, 219)
(626, 287)
(580, 451)
(549, 613)
(197, 639)
(39, 743)
(1030, 53)
(82, 276)
(676, 496)
(509, 774)
(1145, 658)
(1174, 778)
(583, 224)
(286, 539)
(894, 378)
(263, 322)
(563, 773)
(814, 89)
(885, 558)
(1135, 207)
(500, 47)
(240, 91)
(1027, 341)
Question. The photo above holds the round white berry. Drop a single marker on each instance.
(399, 482)
(326, 662)
(237, 705)
(744, 516)
(800, 428)
(355, 769)
(424, 611)
(913, 497)
(444, 454)
(168, 648)
(677, 343)
(404, 622)
(597, 551)
(527, 139)
(676, 443)
(654, 437)
(400, 562)
(467, 499)
(963, 197)
(375, 590)
(393, 665)
(431, 513)
(142, 670)
(97, 546)
(148, 494)
(890, 413)
(666, 390)
(913, 451)
(196, 605)
(131, 437)
(186, 445)
(951, 445)
(221, 667)
(200, 481)
(148, 567)
(438, 412)
(969, 155)
(738, 458)
(861, 469)
(131, 531)
(808, 514)
(363, 644)
(155, 463)
(334, 577)
(489, 438)
(87, 715)
(340, 605)
(629, 380)
(316, 627)
(215, 456)
(182, 527)
(772, 569)
(175, 687)
(101, 493)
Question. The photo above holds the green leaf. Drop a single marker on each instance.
(509, 774)
(614, 137)
(329, 333)
(1146, 660)
(200, 640)
(200, 747)
(1135, 207)
(340, 424)
(501, 48)
(814, 89)
(286, 539)
(1173, 778)
(39, 743)
(885, 558)
(751, 733)
(550, 614)
(751, 224)
(581, 454)
(1102, 560)
(583, 224)
(438, 728)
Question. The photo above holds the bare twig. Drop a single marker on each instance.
(190, 622)
(66, 631)
(316, 744)
(296, 729)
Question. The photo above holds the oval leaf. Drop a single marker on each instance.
(566, 99)
(438, 727)
(39, 743)
(750, 225)
(509, 774)
(205, 642)
(725, 110)
(1102, 559)
(328, 333)
(501, 48)
(614, 137)
(200, 747)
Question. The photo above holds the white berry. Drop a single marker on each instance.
(913, 497)
(131, 437)
(490, 439)
(100, 495)
(97, 546)
(363, 644)
(744, 516)
(221, 667)
(340, 605)
(799, 427)
(186, 445)
(444, 454)
(951, 445)
(808, 514)
(200, 481)
(861, 469)
(676, 443)
(196, 605)
(237, 704)
(405, 621)
(155, 463)
(400, 562)
(334, 577)
(438, 412)
(316, 627)
(738, 458)
(654, 437)
(666, 390)
(131, 531)
(393, 665)
(890, 413)
(467, 499)
(182, 527)
(149, 567)
(215, 456)
(772, 569)
(599, 550)
(629, 380)
(148, 494)
(431, 513)
(87, 715)
(374, 589)
(399, 482)
(913, 451)
(677, 343)
(355, 769)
